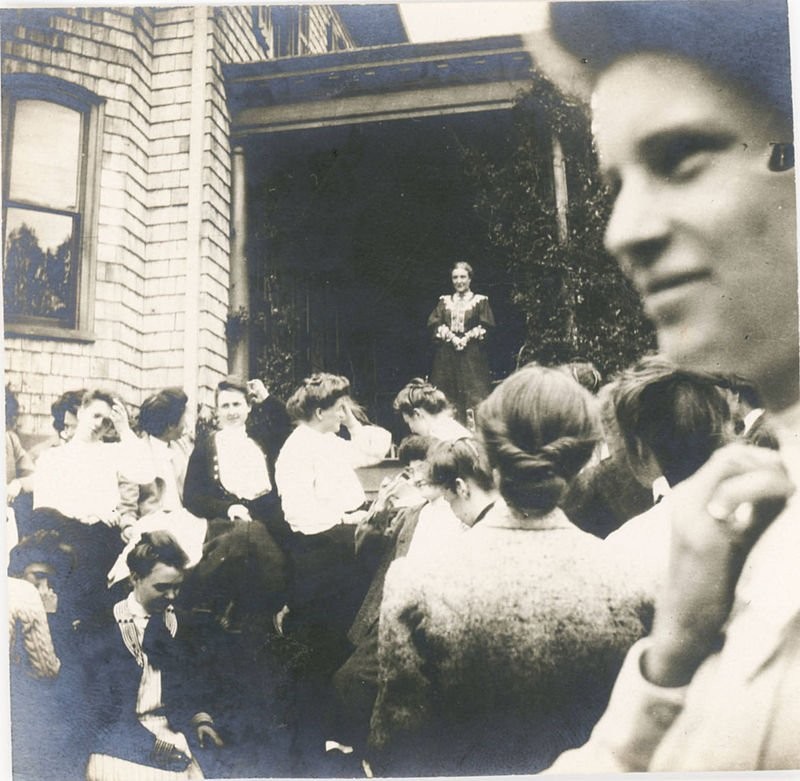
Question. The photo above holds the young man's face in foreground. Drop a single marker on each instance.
(701, 224)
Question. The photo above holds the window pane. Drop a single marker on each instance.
(39, 273)
(45, 154)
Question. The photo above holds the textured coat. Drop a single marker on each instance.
(502, 653)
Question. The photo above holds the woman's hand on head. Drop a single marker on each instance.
(119, 417)
(350, 419)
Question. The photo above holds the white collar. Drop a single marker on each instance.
(233, 432)
(661, 488)
(135, 607)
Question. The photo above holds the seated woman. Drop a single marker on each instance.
(19, 476)
(231, 474)
(158, 505)
(461, 471)
(76, 492)
(428, 412)
(323, 500)
(503, 651)
(316, 476)
(230, 481)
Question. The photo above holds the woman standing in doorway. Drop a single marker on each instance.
(459, 325)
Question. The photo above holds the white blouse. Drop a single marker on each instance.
(242, 464)
(316, 474)
(81, 479)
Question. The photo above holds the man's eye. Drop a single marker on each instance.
(684, 156)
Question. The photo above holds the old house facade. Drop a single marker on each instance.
(117, 189)
(138, 146)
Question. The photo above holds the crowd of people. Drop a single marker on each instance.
(596, 578)
(457, 622)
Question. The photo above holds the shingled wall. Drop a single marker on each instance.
(161, 293)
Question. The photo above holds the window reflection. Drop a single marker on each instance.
(39, 273)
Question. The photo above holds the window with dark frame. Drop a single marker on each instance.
(51, 131)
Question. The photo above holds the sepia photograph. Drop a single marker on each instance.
(399, 391)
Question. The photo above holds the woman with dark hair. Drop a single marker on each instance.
(230, 481)
(459, 325)
(231, 475)
(316, 468)
(161, 423)
(158, 505)
(427, 412)
(502, 652)
(323, 500)
(461, 469)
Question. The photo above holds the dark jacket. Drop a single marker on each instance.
(107, 677)
(203, 494)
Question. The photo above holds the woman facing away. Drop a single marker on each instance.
(428, 412)
(459, 325)
(503, 652)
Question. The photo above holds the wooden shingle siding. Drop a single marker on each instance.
(139, 61)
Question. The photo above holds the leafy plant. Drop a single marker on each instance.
(575, 299)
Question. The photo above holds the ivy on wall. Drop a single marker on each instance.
(575, 299)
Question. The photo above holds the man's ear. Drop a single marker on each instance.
(318, 413)
(462, 489)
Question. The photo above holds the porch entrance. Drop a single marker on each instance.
(354, 222)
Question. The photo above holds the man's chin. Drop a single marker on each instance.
(694, 349)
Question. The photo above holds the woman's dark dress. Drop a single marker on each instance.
(462, 375)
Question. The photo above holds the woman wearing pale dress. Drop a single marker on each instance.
(502, 651)
(459, 325)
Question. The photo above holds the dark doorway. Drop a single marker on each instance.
(352, 232)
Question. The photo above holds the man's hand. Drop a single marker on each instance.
(207, 735)
(257, 390)
(49, 600)
(719, 514)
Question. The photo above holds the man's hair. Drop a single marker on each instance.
(681, 416)
(414, 448)
(462, 458)
(319, 391)
(70, 401)
(539, 428)
(157, 547)
(420, 394)
(743, 41)
(162, 410)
